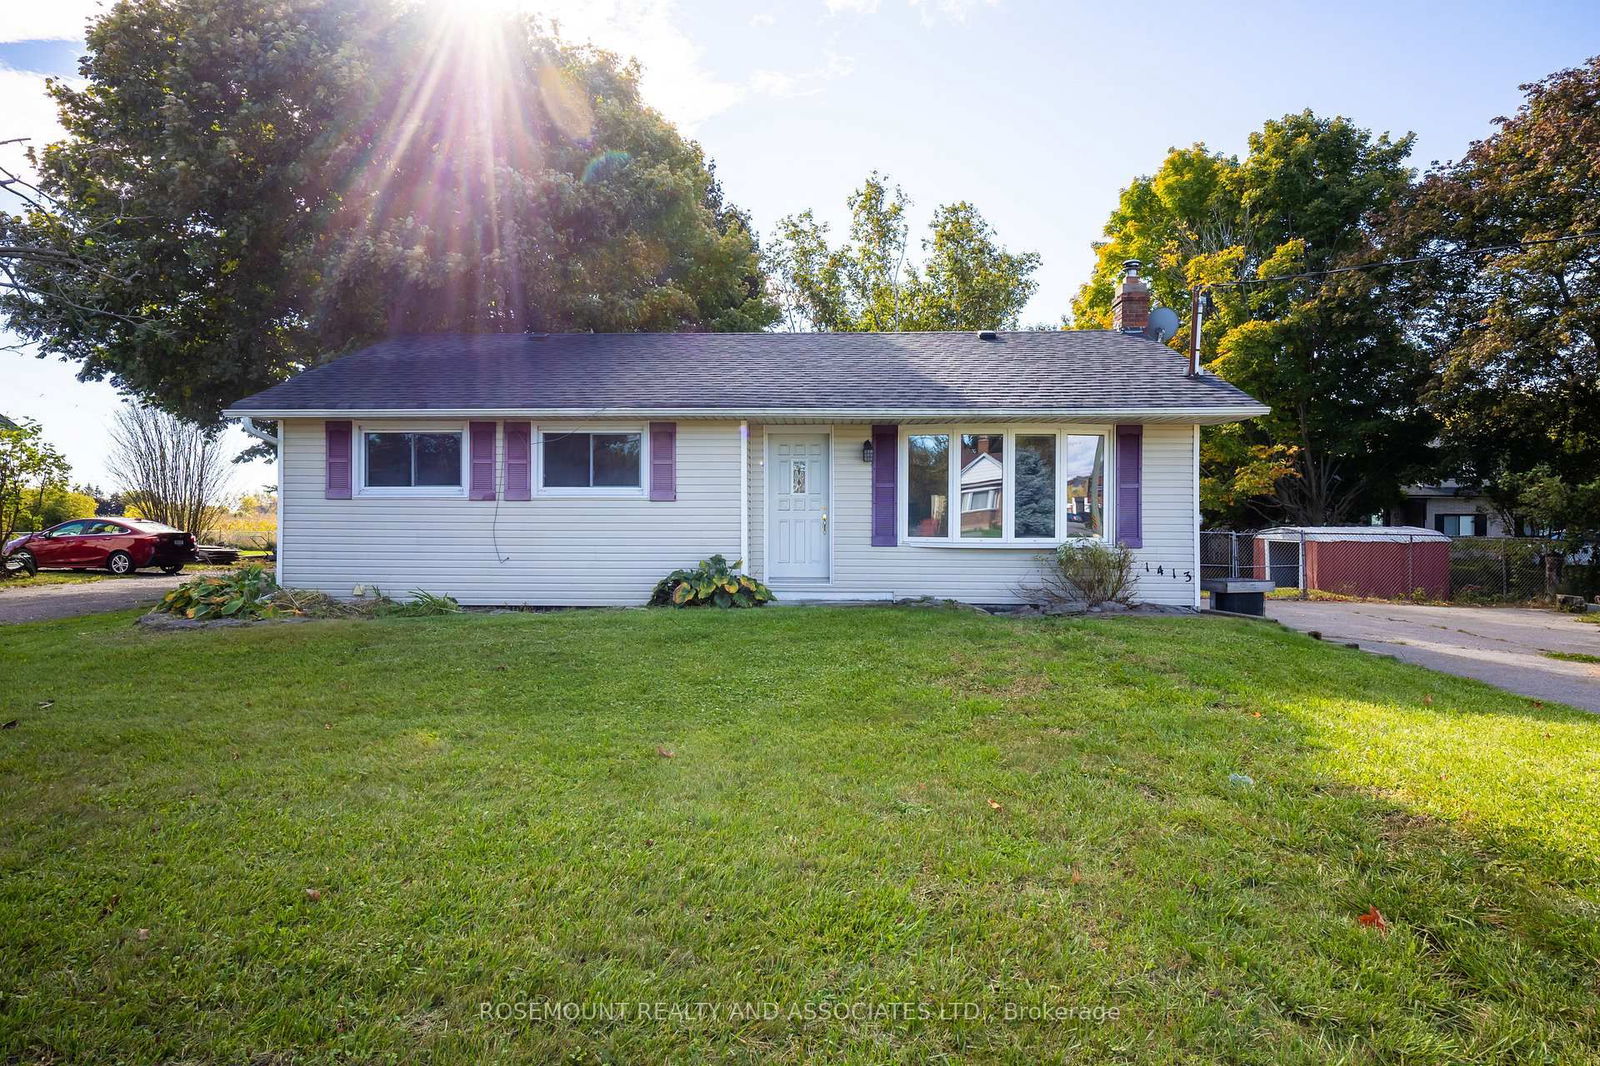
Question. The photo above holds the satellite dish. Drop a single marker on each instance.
(1163, 324)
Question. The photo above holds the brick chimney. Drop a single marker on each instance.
(1130, 307)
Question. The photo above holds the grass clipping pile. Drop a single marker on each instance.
(250, 594)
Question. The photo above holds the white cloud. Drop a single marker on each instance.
(675, 80)
(53, 20)
(932, 11)
(790, 84)
(950, 10)
(762, 18)
(25, 111)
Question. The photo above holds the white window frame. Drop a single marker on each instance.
(624, 491)
(1010, 432)
(441, 492)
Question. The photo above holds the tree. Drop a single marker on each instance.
(106, 503)
(1330, 356)
(1516, 332)
(29, 466)
(967, 280)
(294, 178)
(171, 470)
(50, 502)
(35, 263)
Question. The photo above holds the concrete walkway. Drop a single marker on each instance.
(45, 602)
(1500, 645)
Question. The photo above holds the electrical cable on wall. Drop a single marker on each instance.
(494, 521)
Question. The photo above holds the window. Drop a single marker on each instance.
(1457, 525)
(1009, 486)
(927, 485)
(412, 460)
(983, 471)
(1036, 485)
(585, 460)
(71, 529)
(1086, 485)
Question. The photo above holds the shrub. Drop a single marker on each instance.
(711, 584)
(1087, 573)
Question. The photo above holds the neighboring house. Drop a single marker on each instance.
(578, 469)
(1449, 508)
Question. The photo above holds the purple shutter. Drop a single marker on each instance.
(481, 439)
(1130, 460)
(519, 461)
(339, 476)
(663, 460)
(885, 472)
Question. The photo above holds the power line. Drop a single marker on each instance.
(1463, 253)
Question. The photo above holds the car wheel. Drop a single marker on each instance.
(174, 569)
(119, 563)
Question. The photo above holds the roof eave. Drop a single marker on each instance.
(1207, 415)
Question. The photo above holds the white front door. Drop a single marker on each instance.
(797, 506)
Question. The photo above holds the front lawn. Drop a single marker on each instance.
(848, 835)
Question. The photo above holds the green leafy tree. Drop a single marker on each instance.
(293, 178)
(52, 502)
(1330, 356)
(29, 469)
(1517, 332)
(966, 279)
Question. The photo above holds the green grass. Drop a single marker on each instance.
(55, 577)
(1572, 656)
(859, 807)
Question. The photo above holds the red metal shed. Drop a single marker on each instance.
(1379, 561)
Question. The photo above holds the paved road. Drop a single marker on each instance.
(1500, 645)
(65, 601)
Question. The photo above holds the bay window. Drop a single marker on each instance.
(1085, 485)
(928, 485)
(1009, 486)
(983, 484)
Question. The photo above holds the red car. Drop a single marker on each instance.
(120, 545)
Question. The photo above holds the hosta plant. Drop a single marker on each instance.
(243, 593)
(711, 584)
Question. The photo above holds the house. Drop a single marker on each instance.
(1451, 508)
(578, 469)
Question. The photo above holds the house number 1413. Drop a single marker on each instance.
(1162, 570)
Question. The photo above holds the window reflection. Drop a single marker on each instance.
(928, 485)
(982, 484)
(1084, 512)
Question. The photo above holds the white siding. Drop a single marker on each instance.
(548, 551)
(1473, 505)
(986, 574)
(559, 551)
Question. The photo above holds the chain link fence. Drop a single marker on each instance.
(1385, 563)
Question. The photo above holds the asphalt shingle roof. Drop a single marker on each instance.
(1056, 371)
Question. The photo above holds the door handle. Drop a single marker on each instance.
(824, 521)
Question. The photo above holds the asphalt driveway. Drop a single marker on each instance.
(44, 602)
(1501, 645)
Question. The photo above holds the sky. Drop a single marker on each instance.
(1037, 112)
